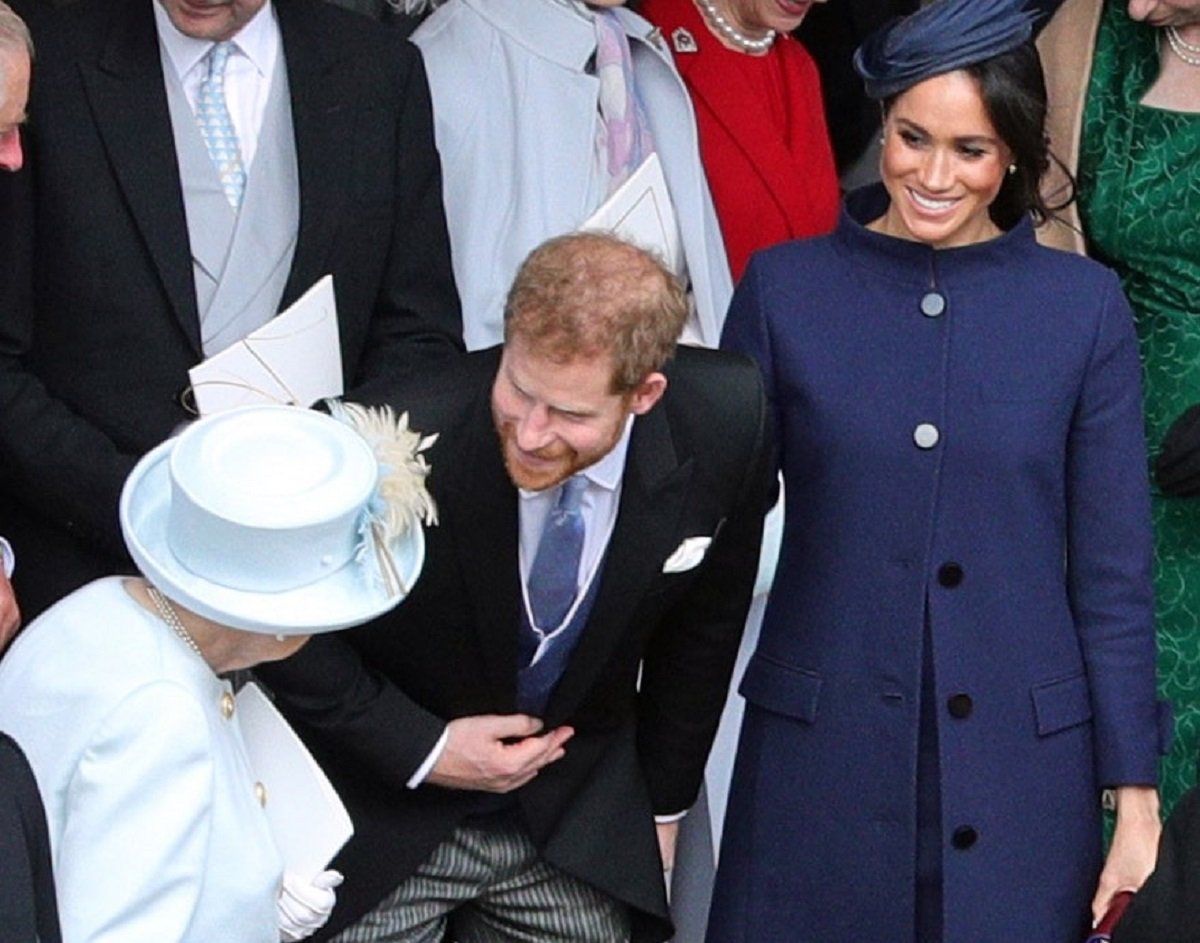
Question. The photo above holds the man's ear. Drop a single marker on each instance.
(647, 393)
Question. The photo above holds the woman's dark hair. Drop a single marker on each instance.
(1013, 88)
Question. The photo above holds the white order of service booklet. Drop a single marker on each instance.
(307, 819)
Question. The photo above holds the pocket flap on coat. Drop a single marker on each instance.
(1060, 704)
(782, 688)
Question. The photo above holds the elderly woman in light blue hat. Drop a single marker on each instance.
(957, 658)
(253, 529)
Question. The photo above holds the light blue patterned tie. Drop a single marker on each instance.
(555, 571)
(217, 127)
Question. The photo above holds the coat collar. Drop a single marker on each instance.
(557, 30)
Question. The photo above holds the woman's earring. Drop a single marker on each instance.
(1012, 169)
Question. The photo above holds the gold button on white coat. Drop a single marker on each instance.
(260, 793)
(926, 435)
(226, 705)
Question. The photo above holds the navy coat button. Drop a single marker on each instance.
(960, 706)
(926, 435)
(964, 837)
(950, 575)
(933, 305)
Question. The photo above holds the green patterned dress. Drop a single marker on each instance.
(1139, 193)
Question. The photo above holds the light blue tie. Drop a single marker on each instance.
(216, 126)
(555, 571)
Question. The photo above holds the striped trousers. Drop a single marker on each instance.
(490, 885)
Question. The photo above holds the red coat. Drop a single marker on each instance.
(763, 138)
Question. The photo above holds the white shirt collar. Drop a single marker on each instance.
(258, 41)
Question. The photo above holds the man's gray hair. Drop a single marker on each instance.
(14, 34)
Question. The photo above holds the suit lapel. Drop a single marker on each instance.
(126, 92)
(482, 512)
(653, 492)
(323, 120)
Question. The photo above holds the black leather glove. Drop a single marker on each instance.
(1177, 468)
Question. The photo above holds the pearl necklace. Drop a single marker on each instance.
(167, 613)
(730, 32)
(1186, 51)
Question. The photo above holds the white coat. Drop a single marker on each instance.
(155, 829)
(515, 111)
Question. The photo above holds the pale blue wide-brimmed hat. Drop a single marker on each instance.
(268, 519)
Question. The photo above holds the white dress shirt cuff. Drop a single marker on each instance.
(668, 819)
(7, 559)
(423, 771)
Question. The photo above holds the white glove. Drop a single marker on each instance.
(303, 908)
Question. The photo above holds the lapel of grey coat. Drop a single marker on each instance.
(126, 93)
(653, 493)
(210, 218)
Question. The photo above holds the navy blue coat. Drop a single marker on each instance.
(1016, 521)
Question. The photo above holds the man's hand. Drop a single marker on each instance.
(496, 753)
(10, 614)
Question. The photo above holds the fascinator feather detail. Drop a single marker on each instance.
(401, 500)
(939, 38)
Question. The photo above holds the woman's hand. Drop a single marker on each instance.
(302, 907)
(1134, 846)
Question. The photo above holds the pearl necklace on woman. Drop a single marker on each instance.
(167, 613)
(732, 33)
(1186, 51)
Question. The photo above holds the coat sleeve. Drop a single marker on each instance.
(133, 853)
(1109, 550)
(690, 656)
(341, 706)
(50, 457)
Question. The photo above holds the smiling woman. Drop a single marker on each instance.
(959, 414)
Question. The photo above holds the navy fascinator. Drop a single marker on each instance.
(941, 37)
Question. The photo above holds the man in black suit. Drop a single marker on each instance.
(28, 910)
(129, 257)
(16, 57)
(471, 725)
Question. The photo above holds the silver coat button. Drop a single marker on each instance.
(926, 435)
(933, 305)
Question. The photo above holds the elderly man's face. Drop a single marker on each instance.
(214, 20)
(14, 93)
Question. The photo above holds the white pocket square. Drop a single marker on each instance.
(687, 555)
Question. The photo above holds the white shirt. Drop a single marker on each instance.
(247, 73)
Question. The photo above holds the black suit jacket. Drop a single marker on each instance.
(98, 319)
(28, 910)
(372, 702)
